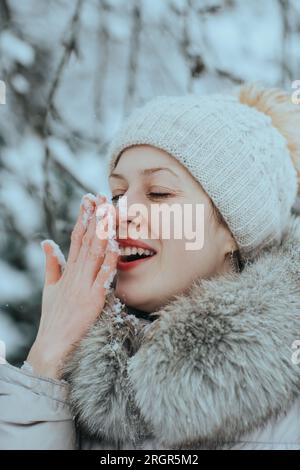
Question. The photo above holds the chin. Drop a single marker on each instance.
(133, 296)
(128, 294)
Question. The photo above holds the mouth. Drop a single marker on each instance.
(131, 258)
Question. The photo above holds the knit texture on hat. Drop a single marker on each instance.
(240, 159)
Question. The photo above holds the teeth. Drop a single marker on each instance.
(127, 251)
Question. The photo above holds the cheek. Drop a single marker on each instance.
(173, 257)
(182, 265)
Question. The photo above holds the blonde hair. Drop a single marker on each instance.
(285, 115)
(237, 256)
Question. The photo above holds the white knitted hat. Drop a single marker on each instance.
(234, 151)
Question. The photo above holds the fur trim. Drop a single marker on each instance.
(214, 365)
(100, 394)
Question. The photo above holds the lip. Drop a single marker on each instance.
(126, 266)
(131, 242)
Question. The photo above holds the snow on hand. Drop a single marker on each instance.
(56, 251)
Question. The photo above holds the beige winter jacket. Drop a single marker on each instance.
(216, 368)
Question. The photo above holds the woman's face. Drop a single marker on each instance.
(151, 177)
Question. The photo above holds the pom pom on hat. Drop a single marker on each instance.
(285, 115)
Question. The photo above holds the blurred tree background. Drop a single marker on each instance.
(73, 70)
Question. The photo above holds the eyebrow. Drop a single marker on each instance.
(147, 171)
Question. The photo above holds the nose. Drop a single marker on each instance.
(123, 215)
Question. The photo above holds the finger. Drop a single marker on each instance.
(55, 261)
(87, 207)
(89, 237)
(93, 251)
(108, 269)
(87, 240)
(106, 221)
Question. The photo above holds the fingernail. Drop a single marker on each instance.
(44, 245)
(88, 201)
(101, 198)
(101, 212)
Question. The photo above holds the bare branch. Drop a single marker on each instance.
(69, 46)
(134, 48)
(286, 73)
(103, 60)
(5, 14)
(60, 166)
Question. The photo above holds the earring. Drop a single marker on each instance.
(233, 261)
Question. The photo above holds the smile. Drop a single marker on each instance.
(133, 256)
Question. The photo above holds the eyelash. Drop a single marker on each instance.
(154, 195)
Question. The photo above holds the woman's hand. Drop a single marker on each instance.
(74, 294)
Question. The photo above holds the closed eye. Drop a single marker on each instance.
(115, 198)
(158, 195)
(152, 195)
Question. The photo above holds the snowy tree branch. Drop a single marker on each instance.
(69, 46)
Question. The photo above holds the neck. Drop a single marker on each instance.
(139, 313)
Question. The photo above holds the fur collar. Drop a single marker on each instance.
(214, 364)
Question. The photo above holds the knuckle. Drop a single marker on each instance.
(86, 241)
(94, 254)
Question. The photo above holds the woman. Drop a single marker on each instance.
(190, 349)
